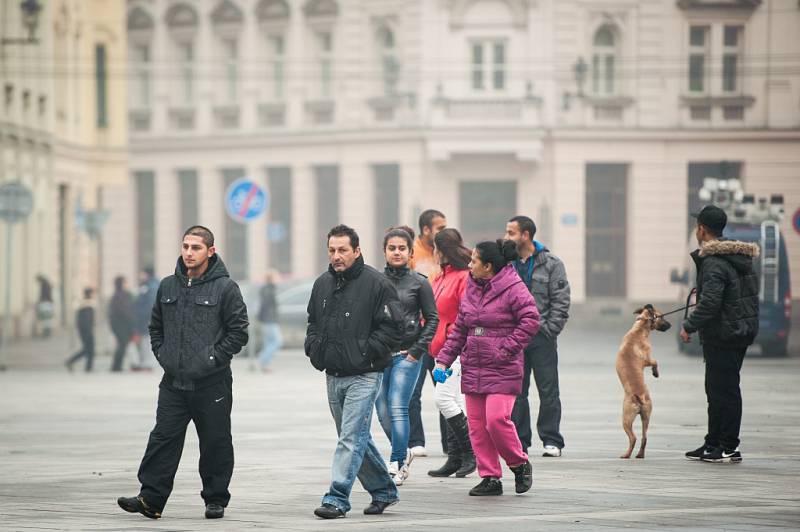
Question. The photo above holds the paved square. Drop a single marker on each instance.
(70, 444)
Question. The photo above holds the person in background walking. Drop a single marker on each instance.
(353, 329)
(496, 321)
(84, 320)
(45, 309)
(419, 321)
(145, 299)
(268, 318)
(121, 316)
(726, 317)
(422, 260)
(546, 278)
(448, 289)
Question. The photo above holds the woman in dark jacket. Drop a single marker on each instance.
(419, 323)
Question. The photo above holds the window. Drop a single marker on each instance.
(488, 65)
(700, 112)
(101, 85)
(145, 218)
(733, 112)
(141, 58)
(325, 60)
(186, 58)
(386, 187)
(327, 178)
(698, 53)
(236, 239)
(279, 182)
(231, 53)
(603, 61)
(276, 62)
(493, 199)
(187, 181)
(732, 41)
(390, 65)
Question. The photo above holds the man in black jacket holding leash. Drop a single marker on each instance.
(726, 317)
(353, 329)
(199, 322)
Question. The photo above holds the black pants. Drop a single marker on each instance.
(417, 432)
(541, 358)
(119, 353)
(210, 409)
(87, 350)
(723, 366)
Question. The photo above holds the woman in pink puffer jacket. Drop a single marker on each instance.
(497, 318)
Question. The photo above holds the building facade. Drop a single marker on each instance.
(597, 118)
(63, 134)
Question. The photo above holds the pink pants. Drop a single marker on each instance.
(492, 433)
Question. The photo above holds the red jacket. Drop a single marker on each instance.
(448, 289)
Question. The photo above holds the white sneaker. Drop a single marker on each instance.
(401, 476)
(394, 467)
(551, 451)
(419, 450)
(409, 457)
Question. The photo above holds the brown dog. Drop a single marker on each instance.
(634, 355)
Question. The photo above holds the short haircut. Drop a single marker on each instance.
(400, 231)
(525, 224)
(426, 219)
(203, 232)
(343, 230)
(714, 232)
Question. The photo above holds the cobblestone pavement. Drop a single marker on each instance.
(70, 444)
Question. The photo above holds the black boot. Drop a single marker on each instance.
(458, 426)
(453, 463)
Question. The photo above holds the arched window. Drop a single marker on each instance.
(321, 16)
(389, 63)
(182, 21)
(140, 32)
(227, 20)
(604, 61)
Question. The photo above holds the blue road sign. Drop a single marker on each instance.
(245, 200)
(796, 221)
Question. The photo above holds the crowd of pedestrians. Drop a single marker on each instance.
(475, 322)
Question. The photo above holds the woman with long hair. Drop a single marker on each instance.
(419, 322)
(496, 321)
(448, 288)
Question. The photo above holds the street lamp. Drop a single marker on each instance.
(30, 19)
(579, 71)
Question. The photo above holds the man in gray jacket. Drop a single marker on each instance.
(546, 278)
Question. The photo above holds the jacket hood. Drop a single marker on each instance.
(739, 254)
(216, 269)
(499, 283)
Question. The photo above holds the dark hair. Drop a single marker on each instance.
(88, 293)
(426, 219)
(400, 231)
(716, 233)
(450, 244)
(203, 232)
(525, 224)
(498, 253)
(343, 230)
(119, 281)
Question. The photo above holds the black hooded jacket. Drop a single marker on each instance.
(353, 321)
(727, 294)
(416, 302)
(197, 325)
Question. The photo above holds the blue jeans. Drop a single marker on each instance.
(272, 343)
(399, 381)
(351, 400)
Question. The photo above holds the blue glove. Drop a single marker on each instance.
(440, 375)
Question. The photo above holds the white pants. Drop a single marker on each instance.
(449, 399)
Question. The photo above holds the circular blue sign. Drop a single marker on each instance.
(796, 221)
(245, 200)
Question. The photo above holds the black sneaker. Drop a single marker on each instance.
(377, 507)
(138, 505)
(329, 511)
(214, 511)
(523, 477)
(488, 486)
(719, 455)
(698, 453)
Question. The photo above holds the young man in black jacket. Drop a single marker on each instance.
(199, 322)
(353, 329)
(726, 317)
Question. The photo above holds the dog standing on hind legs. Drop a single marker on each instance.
(634, 355)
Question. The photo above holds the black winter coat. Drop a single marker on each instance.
(198, 325)
(727, 294)
(416, 302)
(353, 321)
